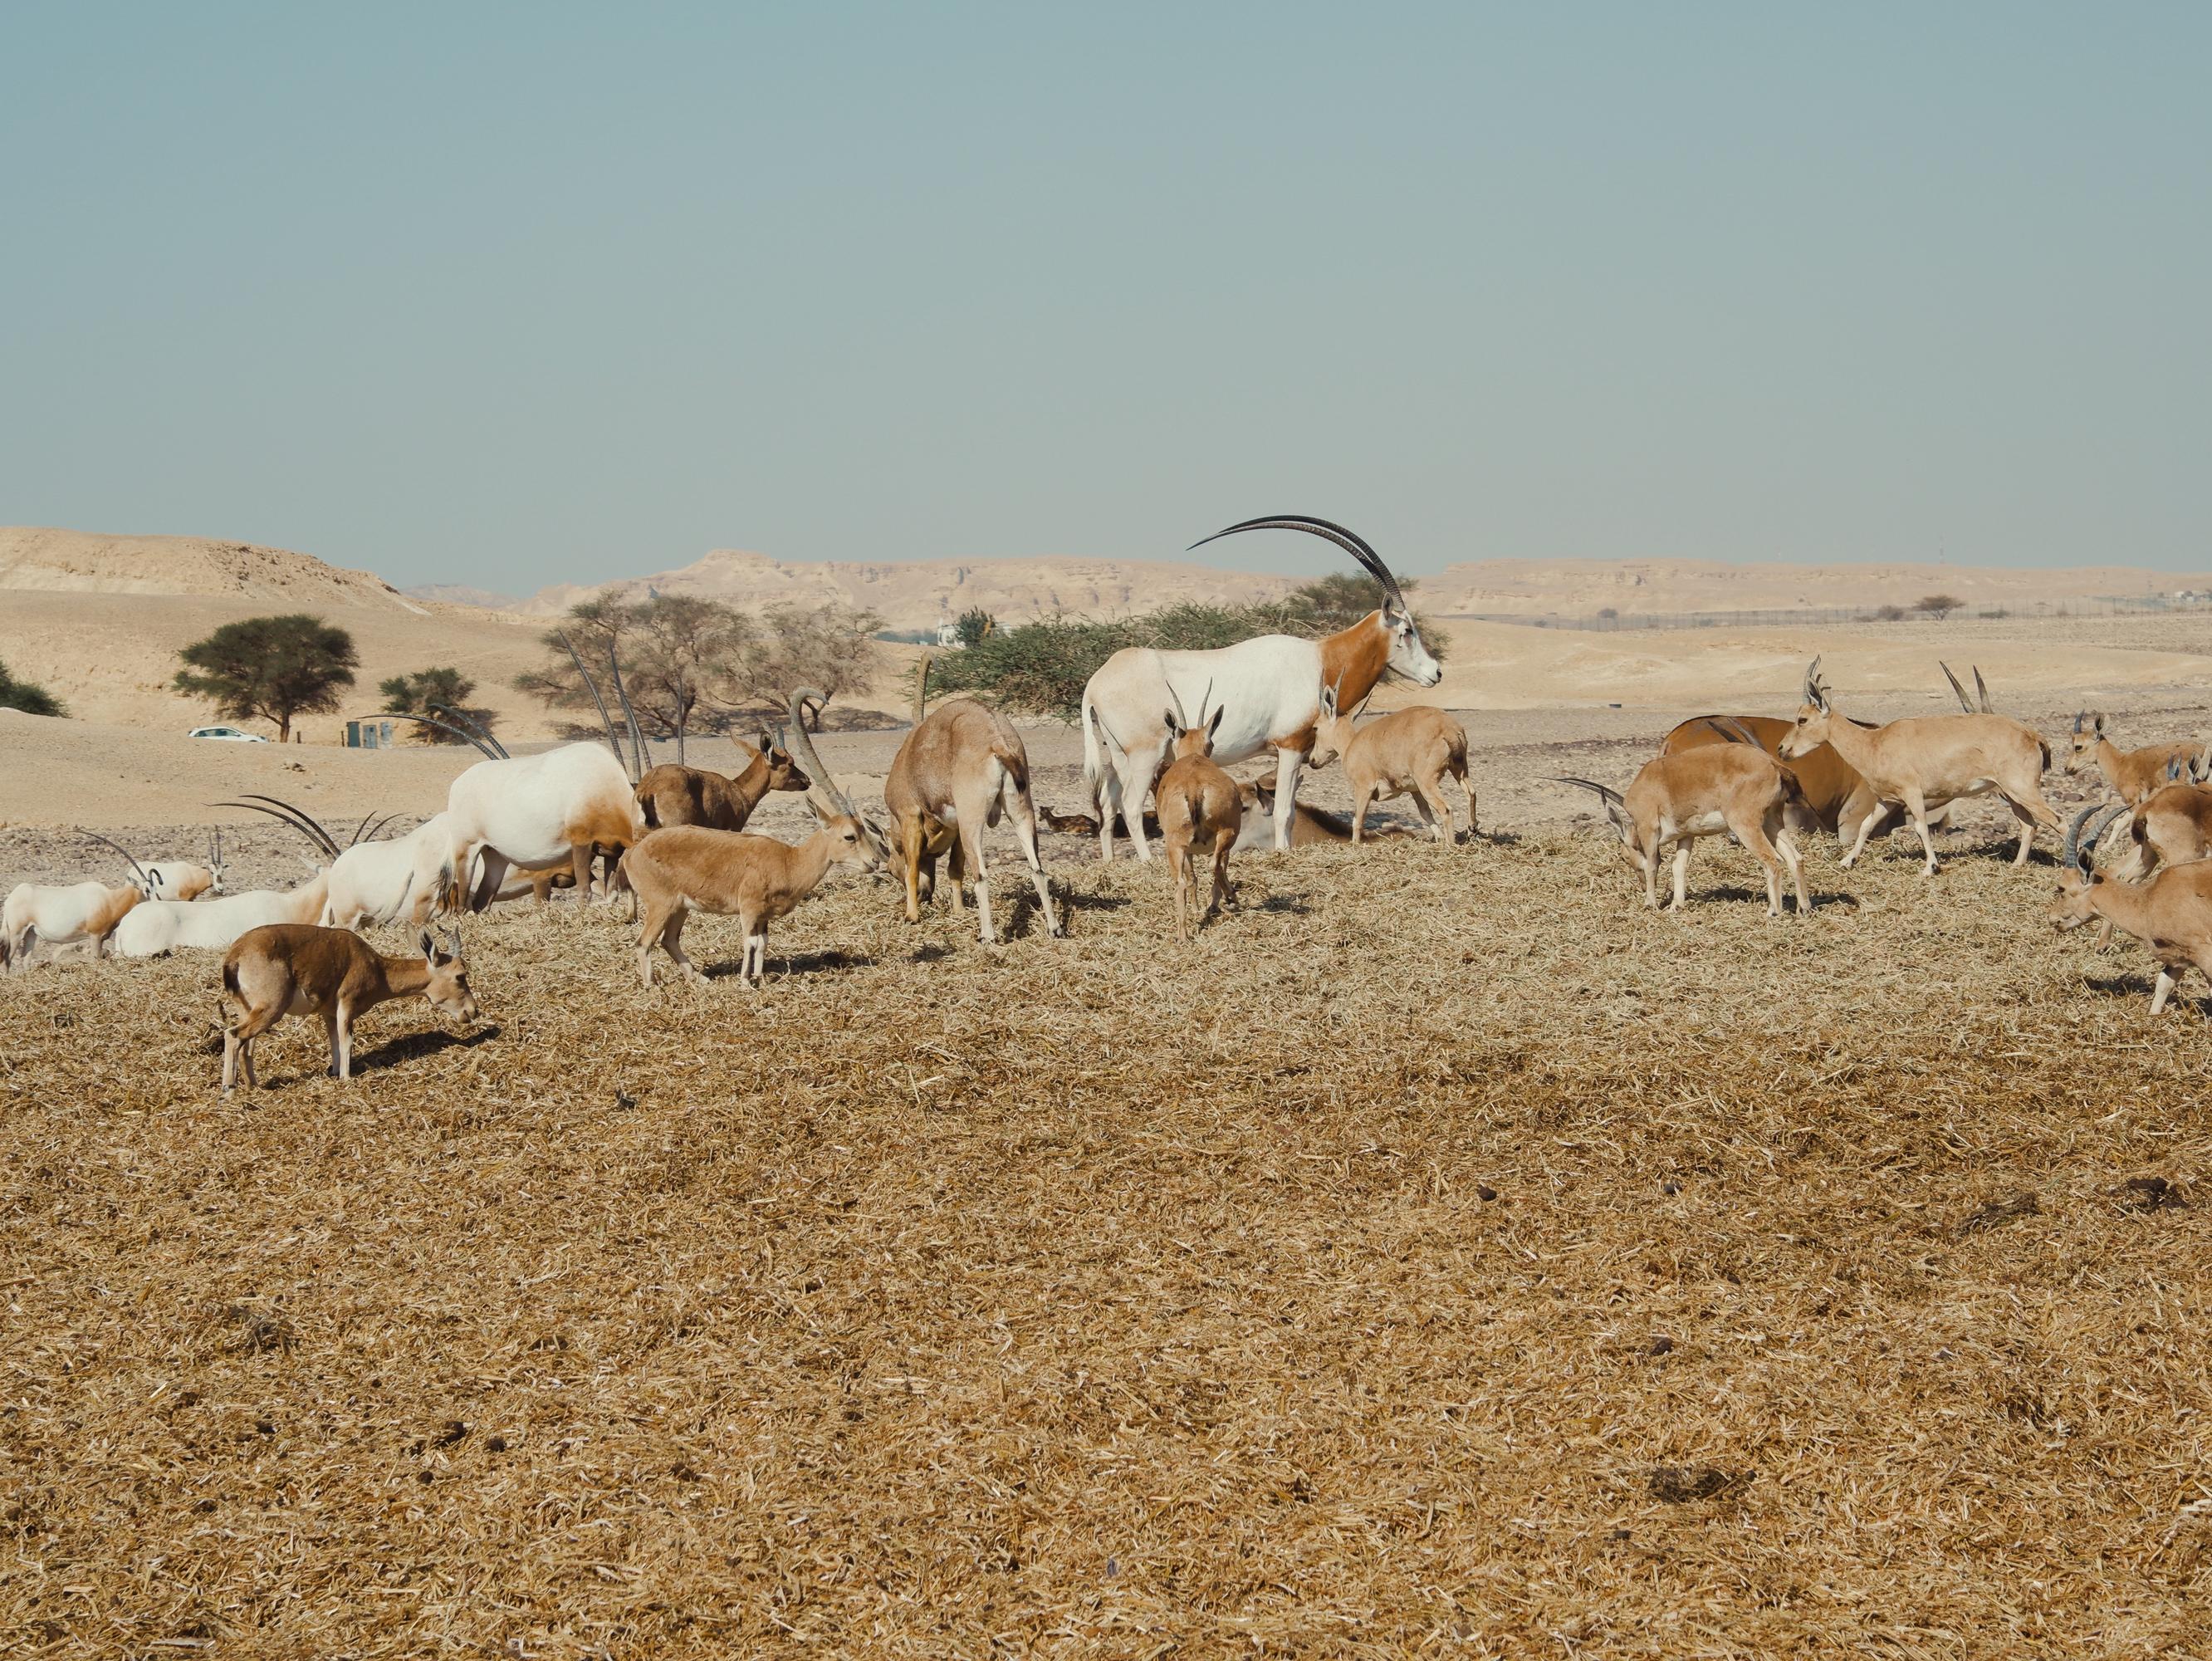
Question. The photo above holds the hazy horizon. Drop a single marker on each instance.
(505, 299)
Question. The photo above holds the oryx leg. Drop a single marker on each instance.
(1023, 811)
(490, 879)
(580, 864)
(1288, 764)
(1136, 773)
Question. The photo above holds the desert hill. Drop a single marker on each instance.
(38, 559)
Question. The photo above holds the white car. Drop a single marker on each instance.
(230, 734)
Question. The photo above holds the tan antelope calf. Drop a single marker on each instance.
(1200, 809)
(2171, 914)
(1408, 751)
(1924, 762)
(302, 968)
(1721, 790)
(2133, 774)
(687, 868)
(953, 777)
(1311, 826)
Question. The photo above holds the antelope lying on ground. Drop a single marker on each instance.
(298, 968)
(958, 771)
(1925, 762)
(1408, 751)
(722, 801)
(168, 879)
(1311, 826)
(1200, 809)
(2133, 774)
(2171, 914)
(154, 926)
(687, 868)
(1736, 789)
(59, 916)
(1270, 688)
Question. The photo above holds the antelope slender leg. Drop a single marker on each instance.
(1761, 847)
(1023, 811)
(1288, 765)
(1918, 809)
(1138, 771)
(974, 807)
(230, 1048)
(580, 863)
(1866, 830)
(671, 942)
(910, 855)
(331, 1036)
(1222, 843)
(1786, 845)
(2163, 990)
(1360, 815)
(1437, 809)
(1682, 849)
(1466, 783)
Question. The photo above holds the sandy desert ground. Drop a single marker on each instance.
(1442, 1253)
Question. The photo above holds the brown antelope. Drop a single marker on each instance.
(687, 868)
(303, 969)
(2133, 774)
(1736, 790)
(2171, 914)
(59, 916)
(691, 795)
(2173, 825)
(954, 776)
(1836, 795)
(1408, 751)
(1200, 808)
(1925, 762)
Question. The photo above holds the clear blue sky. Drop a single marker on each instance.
(509, 295)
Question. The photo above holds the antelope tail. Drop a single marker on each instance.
(1091, 758)
(646, 805)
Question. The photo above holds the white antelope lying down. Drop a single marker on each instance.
(168, 879)
(59, 916)
(1408, 751)
(2171, 914)
(298, 968)
(687, 868)
(1727, 789)
(153, 927)
(1923, 762)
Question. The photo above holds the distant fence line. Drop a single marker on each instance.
(1828, 615)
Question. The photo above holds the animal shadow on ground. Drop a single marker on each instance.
(1076, 899)
(396, 1051)
(779, 965)
(1283, 905)
(2132, 986)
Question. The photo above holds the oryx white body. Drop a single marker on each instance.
(1268, 689)
(59, 916)
(403, 879)
(538, 812)
(153, 927)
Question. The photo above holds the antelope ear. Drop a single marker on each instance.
(1328, 700)
(1174, 729)
(429, 947)
(1214, 725)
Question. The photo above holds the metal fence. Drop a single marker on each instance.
(1608, 620)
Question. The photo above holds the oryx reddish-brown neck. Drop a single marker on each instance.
(1352, 659)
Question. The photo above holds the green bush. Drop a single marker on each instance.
(31, 699)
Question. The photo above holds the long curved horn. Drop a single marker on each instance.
(593, 687)
(139, 869)
(2087, 851)
(388, 714)
(307, 820)
(1203, 699)
(641, 757)
(1605, 793)
(1734, 731)
(306, 827)
(1982, 692)
(2070, 855)
(823, 779)
(477, 730)
(1349, 541)
(1965, 703)
(1182, 717)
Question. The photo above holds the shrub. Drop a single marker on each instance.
(28, 696)
(274, 667)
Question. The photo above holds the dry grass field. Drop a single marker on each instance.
(1441, 1254)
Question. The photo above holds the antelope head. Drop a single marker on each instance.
(1190, 740)
(1409, 657)
(215, 862)
(2075, 903)
(1616, 810)
(1333, 733)
(1815, 717)
(859, 844)
(2089, 733)
(783, 773)
(447, 989)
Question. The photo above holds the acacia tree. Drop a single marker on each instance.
(1938, 606)
(28, 696)
(435, 693)
(274, 667)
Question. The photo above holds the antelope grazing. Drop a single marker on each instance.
(953, 778)
(1408, 751)
(1735, 789)
(689, 868)
(538, 812)
(1927, 762)
(169, 880)
(2171, 826)
(59, 916)
(1200, 808)
(1270, 691)
(298, 968)
(672, 796)
(2171, 914)
(2133, 774)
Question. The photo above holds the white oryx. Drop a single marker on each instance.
(1268, 689)
(169, 880)
(408, 880)
(538, 812)
(153, 927)
(59, 915)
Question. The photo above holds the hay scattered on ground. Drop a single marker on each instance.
(1442, 1253)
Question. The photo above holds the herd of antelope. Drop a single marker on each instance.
(1155, 723)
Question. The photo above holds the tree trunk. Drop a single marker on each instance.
(284, 729)
(682, 709)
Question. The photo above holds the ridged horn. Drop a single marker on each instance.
(1982, 692)
(825, 781)
(593, 687)
(322, 840)
(477, 731)
(1606, 793)
(443, 726)
(1350, 541)
(641, 757)
(1965, 703)
(138, 868)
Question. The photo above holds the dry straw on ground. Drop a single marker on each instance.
(1442, 1254)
